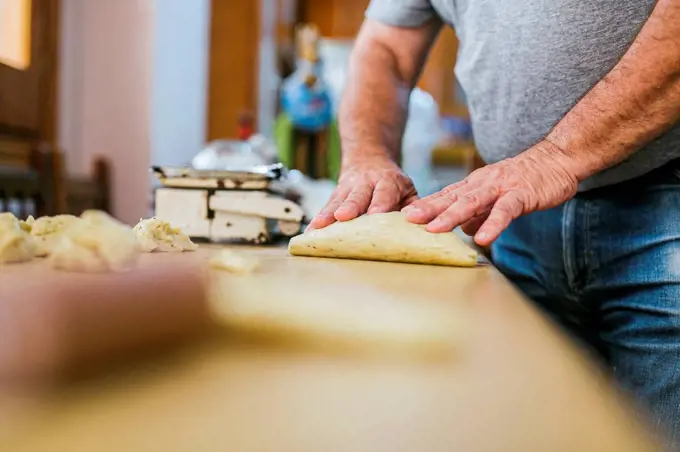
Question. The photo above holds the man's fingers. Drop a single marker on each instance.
(472, 226)
(448, 190)
(409, 200)
(386, 196)
(508, 207)
(320, 221)
(416, 206)
(355, 204)
(430, 207)
(467, 206)
(327, 215)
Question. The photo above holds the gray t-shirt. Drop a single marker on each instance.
(524, 64)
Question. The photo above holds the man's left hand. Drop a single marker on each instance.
(490, 198)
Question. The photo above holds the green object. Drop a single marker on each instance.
(283, 135)
(284, 132)
(334, 151)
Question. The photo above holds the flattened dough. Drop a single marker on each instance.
(96, 244)
(16, 244)
(157, 235)
(47, 231)
(384, 237)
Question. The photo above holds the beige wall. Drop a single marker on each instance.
(104, 94)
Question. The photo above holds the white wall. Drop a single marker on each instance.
(268, 77)
(71, 75)
(105, 83)
(133, 88)
(180, 80)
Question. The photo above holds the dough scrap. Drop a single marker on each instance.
(47, 231)
(154, 234)
(96, 244)
(28, 224)
(234, 262)
(384, 237)
(16, 244)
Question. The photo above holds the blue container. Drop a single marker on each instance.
(308, 106)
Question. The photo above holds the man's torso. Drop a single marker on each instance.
(524, 64)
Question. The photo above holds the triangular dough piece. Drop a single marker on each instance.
(384, 237)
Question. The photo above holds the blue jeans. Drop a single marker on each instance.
(607, 265)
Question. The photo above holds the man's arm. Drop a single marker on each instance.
(384, 67)
(635, 103)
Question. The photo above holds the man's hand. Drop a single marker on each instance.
(490, 198)
(372, 186)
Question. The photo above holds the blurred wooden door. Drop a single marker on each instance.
(28, 58)
(28, 68)
(249, 40)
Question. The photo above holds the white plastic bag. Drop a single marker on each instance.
(423, 132)
(314, 194)
(227, 154)
(334, 54)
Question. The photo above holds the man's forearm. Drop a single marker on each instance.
(385, 65)
(635, 103)
(374, 106)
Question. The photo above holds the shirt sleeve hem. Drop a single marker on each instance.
(398, 16)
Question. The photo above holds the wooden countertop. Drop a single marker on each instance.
(513, 383)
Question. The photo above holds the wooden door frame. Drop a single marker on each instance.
(49, 81)
(244, 45)
(44, 57)
(233, 65)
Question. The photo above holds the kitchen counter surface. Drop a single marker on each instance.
(511, 383)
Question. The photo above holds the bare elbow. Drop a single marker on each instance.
(400, 50)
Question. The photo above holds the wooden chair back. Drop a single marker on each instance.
(27, 178)
(33, 181)
(83, 193)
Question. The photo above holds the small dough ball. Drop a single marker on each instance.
(96, 244)
(158, 235)
(47, 231)
(234, 262)
(16, 244)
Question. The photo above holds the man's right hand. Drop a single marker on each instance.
(373, 185)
